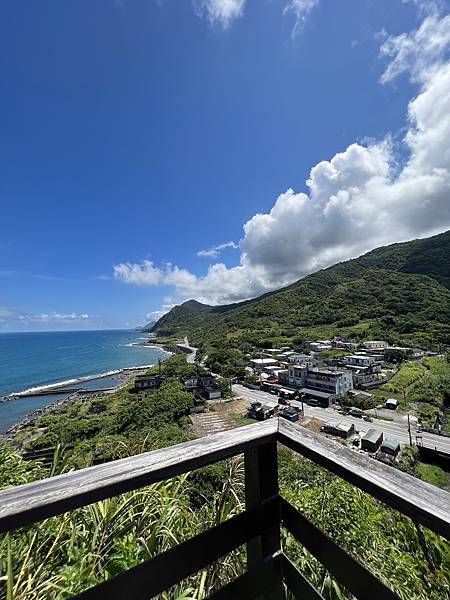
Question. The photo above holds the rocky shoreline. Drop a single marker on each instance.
(125, 376)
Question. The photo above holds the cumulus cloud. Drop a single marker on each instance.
(366, 196)
(216, 250)
(219, 12)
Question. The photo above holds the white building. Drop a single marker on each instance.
(258, 364)
(319, 346)
(360, 360)
(375, 345)
(330, 382)
(296, 358)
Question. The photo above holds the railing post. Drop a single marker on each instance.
(261, 483)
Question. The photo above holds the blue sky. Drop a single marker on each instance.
(138, 134)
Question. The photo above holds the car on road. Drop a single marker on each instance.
(356, 412)
(312, 402)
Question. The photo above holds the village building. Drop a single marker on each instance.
(190, 382)
(341, 429)
(344, 344)
(258, 364)
(202, 385)
(211, 393)
(360, 360)
(372, 440)
(323, 384)
(375, 344)
(283, 376)
(285, 356)
(271, 369)
(390, 446)
(148, 382)
(360, 396)
(321, 346)
(296, 358)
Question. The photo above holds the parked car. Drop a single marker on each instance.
(356, 412)
(312, 402)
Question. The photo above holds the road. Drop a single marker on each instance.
(390, 429)
(191, 351)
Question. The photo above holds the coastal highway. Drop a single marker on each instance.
(390, 429)
(191, 351)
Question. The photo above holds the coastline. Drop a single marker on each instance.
(52, 387)
(125, 375)
(40, 396)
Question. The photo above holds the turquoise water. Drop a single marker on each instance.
(36, 360)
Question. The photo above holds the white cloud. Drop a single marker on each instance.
(366, 196)
(154, 315)
(222, 13)
(427, 7)
(300, 9)
(417, 52)
(54, 317)
(216, 250)
(219, 12)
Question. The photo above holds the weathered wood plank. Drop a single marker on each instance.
(29, 503)
(297, 583)
(261, 484)
(348, 571)
(421, 501)
(169, 568)
(261, 578)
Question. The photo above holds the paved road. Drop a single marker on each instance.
(390, 429)
(190, 357)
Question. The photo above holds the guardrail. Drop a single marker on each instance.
(269, 572)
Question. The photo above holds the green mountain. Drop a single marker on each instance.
(399, 292)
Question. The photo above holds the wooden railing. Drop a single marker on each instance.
(269, 572)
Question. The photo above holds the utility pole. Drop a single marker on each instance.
(409, 431)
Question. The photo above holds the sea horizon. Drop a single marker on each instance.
(71, 330)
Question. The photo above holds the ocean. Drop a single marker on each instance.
(37, 360)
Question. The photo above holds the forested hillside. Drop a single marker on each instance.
(398, 292)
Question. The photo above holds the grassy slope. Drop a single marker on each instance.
(397, 292)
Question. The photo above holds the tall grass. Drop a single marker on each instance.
(62, 556)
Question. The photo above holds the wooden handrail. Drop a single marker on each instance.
(32, 502)
(424, 503)
(356, 578)
(258, 526)
(153, 576)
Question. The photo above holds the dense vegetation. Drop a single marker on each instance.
(398, 293)
(111, 426)
(422, 387)
(65, 555)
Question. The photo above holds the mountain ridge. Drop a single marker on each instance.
(344, 292)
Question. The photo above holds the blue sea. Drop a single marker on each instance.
(75, 358)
